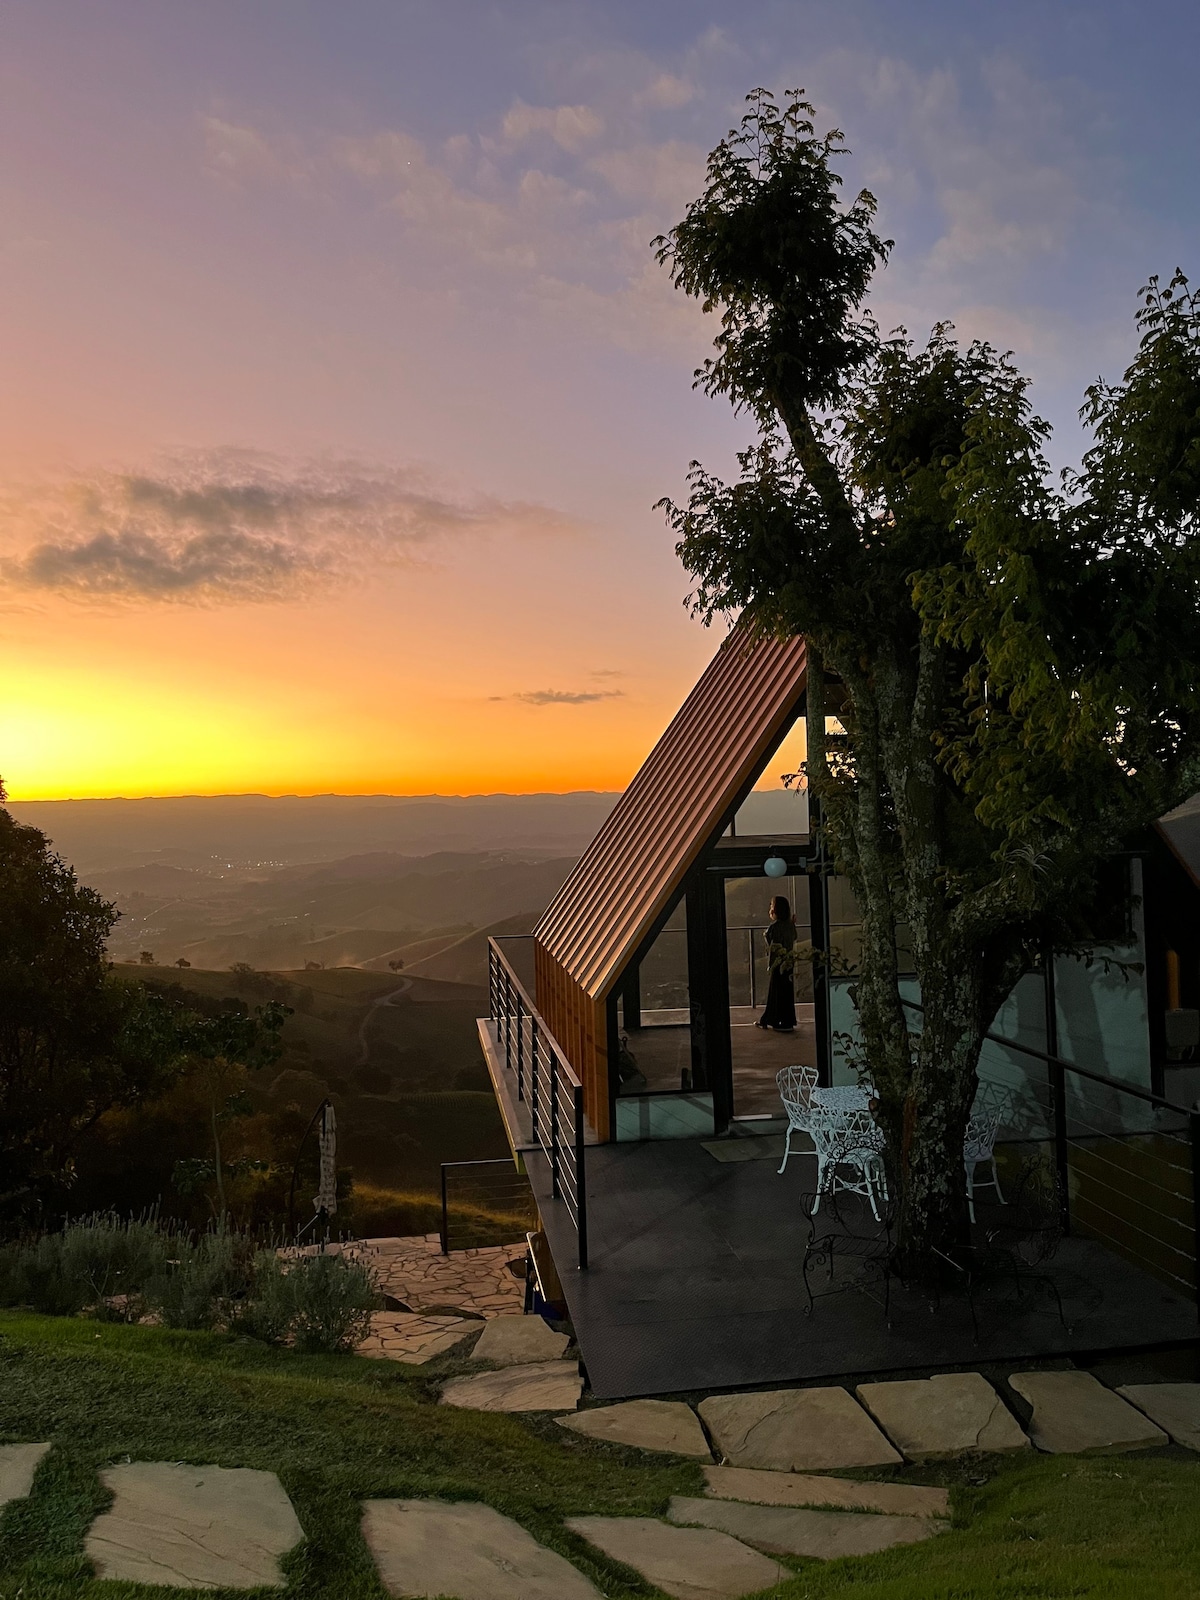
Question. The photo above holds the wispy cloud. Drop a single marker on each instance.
(561, 697)
(233, 525)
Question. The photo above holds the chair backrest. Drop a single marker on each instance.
(840, 1132)
(795, 1085)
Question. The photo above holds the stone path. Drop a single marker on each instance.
(1175, 1407)
(801, 1489)
(193, 1527)
(543, 1386)
(948, 1415)
(786, 1531)
(18, 1463)
(412, 1338)
(1073, 1413)
(688, 1563)
(428, 1548)
(795, 1430)
(415, 1271)
(510, 1340)
(663, 1425)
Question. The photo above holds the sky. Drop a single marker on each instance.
(338, 381)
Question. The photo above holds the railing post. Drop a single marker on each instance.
(1194, 1130)
(492, 1006)
(508, 1020)
(445, 1216)
(521, 1053)
(534, 1102)
(580, 1182)
(555, 1187)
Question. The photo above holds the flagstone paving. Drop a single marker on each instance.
(786, 1531)
(543, 1386)
(1073, 1413)
(803, 1489)
(663, 1425)
(795, 1430)
(415, 1270)
(18, 1463)
(426, 1548)
(511, 1340)
(688, 1563)
(412, 1338)
(944, 1416)
(193, 1527)
(1175, 1407)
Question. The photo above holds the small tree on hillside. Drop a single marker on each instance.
(1018, 661)
(75, 1041)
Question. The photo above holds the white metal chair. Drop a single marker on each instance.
(796, 1085)
(848, 1138)
(992, 1104)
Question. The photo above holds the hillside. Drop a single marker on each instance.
(361, 909)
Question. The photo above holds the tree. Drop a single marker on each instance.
(218, 1049)
(75, 1041)
(1015, 662)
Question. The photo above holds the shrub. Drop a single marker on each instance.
(100, 1264)
(331, 1299)
(267, 1311)
(201, 1286)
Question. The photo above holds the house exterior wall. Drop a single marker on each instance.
(580, 1025)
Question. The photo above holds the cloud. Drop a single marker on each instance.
(570, 127)
(667, 93)
(562, 697)
(234, 525)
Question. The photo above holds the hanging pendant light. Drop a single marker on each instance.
(775, 866)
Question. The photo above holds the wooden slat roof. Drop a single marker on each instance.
(631, 871)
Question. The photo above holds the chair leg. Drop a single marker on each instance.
(787, 1147)
(820, 1183)
(970, 1167)
(996, 1183)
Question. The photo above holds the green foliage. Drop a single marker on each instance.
(74, 1042)
(331, 1301)
(1015, 663)
(116, 1270)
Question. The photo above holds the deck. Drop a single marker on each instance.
(695, 1284)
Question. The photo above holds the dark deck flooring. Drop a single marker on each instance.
(695, 1284)
(662, 1049)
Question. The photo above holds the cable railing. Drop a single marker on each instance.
(545, 1086)
(484, 1203)
(1128, 1160)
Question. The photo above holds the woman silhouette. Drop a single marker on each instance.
(780, 1010)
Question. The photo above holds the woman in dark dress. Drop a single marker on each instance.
(780, 1010)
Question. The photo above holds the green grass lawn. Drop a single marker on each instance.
(340, 1430)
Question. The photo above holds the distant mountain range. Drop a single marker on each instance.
(249, 833)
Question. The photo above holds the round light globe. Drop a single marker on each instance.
(774, 866)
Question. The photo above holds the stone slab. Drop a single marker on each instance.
(413, 1338)
(1175, 1407)
(426, 1548)
(18, 1463)
(687, 1563)
(1074, 1413)
(193, 1527)
(544, 1386)
(803, 1489)
(514, 1341)
(666, 1425)
(948, 1415)
(795, 1430)
(786, 1531)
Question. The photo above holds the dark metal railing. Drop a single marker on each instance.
(484, 1203)
(545, 1085)
(1128, 1160)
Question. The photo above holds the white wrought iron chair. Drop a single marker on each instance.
(848, 1139)
(795, 1085)
(992, 1105)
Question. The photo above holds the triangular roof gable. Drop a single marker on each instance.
(715, 745)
